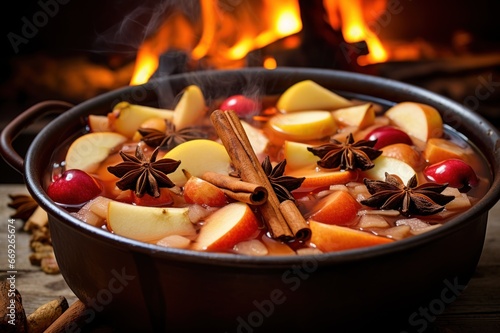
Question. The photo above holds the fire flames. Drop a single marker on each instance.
(225, 35)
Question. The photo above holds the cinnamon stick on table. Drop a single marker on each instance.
(281, 226)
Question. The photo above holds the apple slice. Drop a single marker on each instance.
(338, 208)
(197, 157)
(258, 140)
(308, 95)
(190, 108)
(98, 123)
(390, 165)
(228, 226)
(329, 237)
(89, 150)
(126, 118)
(156, 123)
(360, 116)
(438, 149)
(297, 156)
(148, 224)
(406, 153)
(315, 177)
(302, 125)
(201, 192)
(418, 120)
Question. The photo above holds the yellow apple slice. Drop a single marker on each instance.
(418, 120)
(197, 157)
(360, 116)
(126, 118)
(228, 226)
(258, 140)
(390, 165)
(89, 150)
(302, 125)
(148, 224)
(190, 108)
(297, 156)
(308, 95)
(316, 177)
(151, 123)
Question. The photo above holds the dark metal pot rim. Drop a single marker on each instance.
(375, 86)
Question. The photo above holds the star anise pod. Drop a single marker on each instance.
(142, 174)
(282, 185)
(409, 199)
(24, 205)
(171, 137)
(349, 155)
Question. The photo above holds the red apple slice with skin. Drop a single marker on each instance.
(197, 157)
(190, 108)
(418, 120)
(329, 237)
(228, 226)
(360, 116)
(308, 95)
(89, 150)
(201, 192)
(148, 224)
(338, 208)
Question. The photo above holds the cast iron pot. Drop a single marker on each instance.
(140, 287)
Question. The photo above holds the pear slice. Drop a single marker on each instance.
(190, 108)
(308, 95)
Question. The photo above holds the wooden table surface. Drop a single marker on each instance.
(477, 310)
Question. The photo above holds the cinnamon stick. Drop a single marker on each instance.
(73, 317)
(234, 138)
(237, 189)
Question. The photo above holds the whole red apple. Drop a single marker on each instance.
(387, 135)
(242, 105)
(453, 171)
(74, 187)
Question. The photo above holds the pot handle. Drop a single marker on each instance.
(14, 128)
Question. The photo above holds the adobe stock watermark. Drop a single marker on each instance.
(420, 319)
(30, 26)
(484, 89)
(292, 279)
(103, 297)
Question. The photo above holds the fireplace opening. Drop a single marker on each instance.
(73, 51)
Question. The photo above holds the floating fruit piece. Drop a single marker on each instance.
(302, 125)
(190, 108)
(438, 149)
(201, 192)
(258, 140)
(74, 187)
(406, 153)
(360, 116)
(329, 237)
(390, 165)
(243, 106)
(152, 123)
(126, 118)
(98, 123)
(420, 121)
(297, 156)
(197, 157)
(308, 95)
(148, 224)
(226, 227)
(338, 208)
(454, 172)
(89, 150)
(316, 177)
(388, 135)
